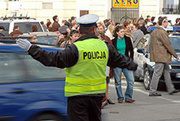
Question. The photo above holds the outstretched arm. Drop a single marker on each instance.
(61, 59)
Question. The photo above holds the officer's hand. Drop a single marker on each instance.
(24, 43)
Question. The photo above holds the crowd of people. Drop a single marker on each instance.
(134, 28)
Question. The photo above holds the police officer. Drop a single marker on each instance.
(85, 61)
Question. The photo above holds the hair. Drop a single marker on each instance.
(111, 28)
(72, 18)
(177, 20)
(136, 25)
(152, 18)
(126, 23)
(117, 29)
(148, 16)
(42, 22)
(34, 28)
(101, 24)
(15, 27)
(67, 24)
(106, 22)
(161, 19)
(135, 20)
(87, 30)
(73, 32)
(55, 17)
(2, 27)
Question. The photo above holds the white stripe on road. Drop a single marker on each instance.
(147, 93)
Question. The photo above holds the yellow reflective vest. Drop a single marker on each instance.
(88, 76)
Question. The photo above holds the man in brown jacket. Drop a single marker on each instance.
(161, 52)
(55, 25)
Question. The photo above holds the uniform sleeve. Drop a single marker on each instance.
(118, 60)
(61, 59)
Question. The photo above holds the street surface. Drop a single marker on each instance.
(145, 108)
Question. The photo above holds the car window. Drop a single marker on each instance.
(50, 40)
(40, 72)
(6, 26)
(175, 41)
(22, 67)
(26, 27)
(10, 69)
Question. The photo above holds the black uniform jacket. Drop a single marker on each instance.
(69, 56)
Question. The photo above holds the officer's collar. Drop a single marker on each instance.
(83, 37)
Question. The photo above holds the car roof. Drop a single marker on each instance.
(19, 20)
(14, 48)
(169, 28)
(40, 34)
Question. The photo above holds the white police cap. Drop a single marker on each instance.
(88, 19)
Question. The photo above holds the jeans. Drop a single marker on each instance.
(129, 79)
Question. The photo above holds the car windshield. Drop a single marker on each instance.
(175, 41)
(26, 27)
(49, 40)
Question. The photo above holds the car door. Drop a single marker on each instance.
(27, 86)
(12, 93)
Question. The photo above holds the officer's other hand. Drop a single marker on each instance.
(24, 44)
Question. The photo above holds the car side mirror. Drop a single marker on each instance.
(141, 50)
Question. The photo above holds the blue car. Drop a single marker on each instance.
(169, 28)
(29, 90)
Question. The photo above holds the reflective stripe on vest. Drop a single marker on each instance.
(88, 76)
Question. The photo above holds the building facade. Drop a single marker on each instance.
(45, 9)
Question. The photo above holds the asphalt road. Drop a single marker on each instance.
(145, 108)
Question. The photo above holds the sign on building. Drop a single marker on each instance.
(125, 4)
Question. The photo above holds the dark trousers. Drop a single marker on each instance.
(84, 108)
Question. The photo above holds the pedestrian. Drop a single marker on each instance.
(55, 25)
(109, 31)
(74, 25)
(177, 22)
(85, 61)
(34, 28)
(16, 32)
(137, 37)
(124, 46)
(44, 26)
(142, 26)
(161, 52)
(63, 35)
(73, 36)
(3, 32)
(128, 28)
(49, 24)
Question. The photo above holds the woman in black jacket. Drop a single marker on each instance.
(124, 46)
